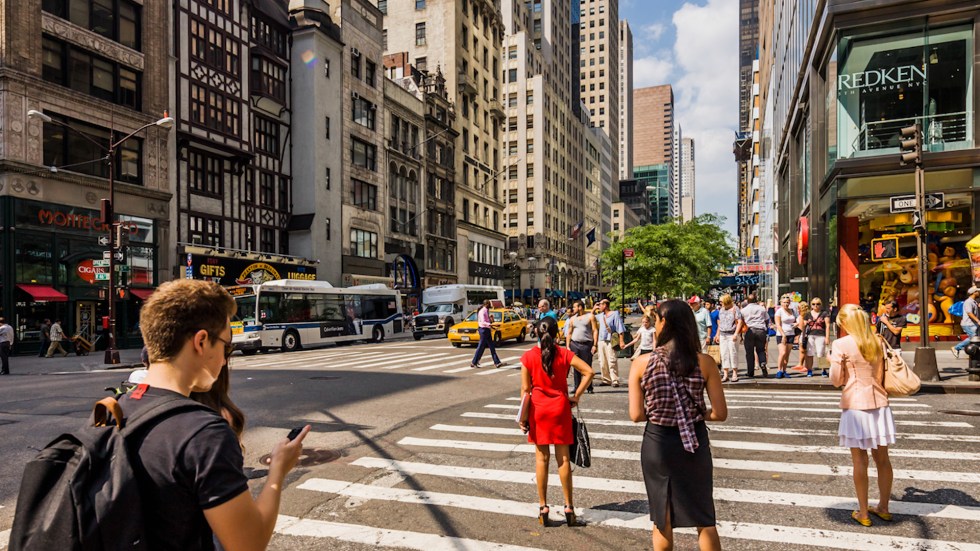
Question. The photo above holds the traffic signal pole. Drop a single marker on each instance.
(925, 355)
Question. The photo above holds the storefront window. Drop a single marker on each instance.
(890, 79)
(32, 257)
(830, 81)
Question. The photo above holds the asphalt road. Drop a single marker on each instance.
(411, 448)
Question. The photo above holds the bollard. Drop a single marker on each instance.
(973, 351)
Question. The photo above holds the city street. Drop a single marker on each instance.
(412, 449)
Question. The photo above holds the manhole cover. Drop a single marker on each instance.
(310, 457)
(961, 412)
(324, 378)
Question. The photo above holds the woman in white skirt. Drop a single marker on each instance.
(866, 423)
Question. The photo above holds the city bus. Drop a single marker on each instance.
(290, 314)
(446, 305)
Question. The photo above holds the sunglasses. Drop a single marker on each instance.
(229, 348)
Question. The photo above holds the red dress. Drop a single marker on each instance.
(550, 417)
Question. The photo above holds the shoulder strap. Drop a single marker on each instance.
(167, 406)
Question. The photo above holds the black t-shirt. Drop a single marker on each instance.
(893, 340)
(186, 463)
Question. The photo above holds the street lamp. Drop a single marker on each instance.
(167, 122)
(532, 264)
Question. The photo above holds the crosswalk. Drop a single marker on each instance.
(772, 463)
(424, 357)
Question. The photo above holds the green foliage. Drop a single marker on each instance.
(671, 260)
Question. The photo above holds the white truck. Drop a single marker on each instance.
(446, 305)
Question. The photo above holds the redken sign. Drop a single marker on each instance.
(889, 78)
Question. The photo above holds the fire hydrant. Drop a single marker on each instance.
(973, 351)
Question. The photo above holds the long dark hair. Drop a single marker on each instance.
(219, 400)
(681, 333)
(548, 330)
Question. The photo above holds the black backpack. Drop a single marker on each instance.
(80, 493)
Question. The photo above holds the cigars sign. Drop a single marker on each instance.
(234, 271)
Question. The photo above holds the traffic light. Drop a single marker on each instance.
(122, 236)
(912, 144)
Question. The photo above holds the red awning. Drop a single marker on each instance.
(43, 293)
(142, 294)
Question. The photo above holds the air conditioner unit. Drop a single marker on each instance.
(195, 239)
(355, 52)
(374, 107)
(355, 95)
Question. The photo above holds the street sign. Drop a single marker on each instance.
(916, 220)
(104, 240)
(122, 267)
(106, 255)
(120, 256)
(100, 263)
(627, 253)
(189, 273)
(906, 203)
(100, 276)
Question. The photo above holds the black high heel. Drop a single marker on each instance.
(543, 512)
(570, 519)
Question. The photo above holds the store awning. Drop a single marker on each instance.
(142, 294)
(43, 293)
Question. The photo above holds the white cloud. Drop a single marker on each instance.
(652, 70)
(653, 32)
(705, 60)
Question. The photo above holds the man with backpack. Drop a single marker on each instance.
(169, 473)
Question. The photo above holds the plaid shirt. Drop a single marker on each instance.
(673, 402)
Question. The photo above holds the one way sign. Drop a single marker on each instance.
(907, 203)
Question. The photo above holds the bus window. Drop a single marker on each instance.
(269, 308)
(246, 309)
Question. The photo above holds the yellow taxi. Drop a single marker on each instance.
(507, 324)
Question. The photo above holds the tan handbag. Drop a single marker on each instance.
(899, 380)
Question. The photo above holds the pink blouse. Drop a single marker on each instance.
(862, 381)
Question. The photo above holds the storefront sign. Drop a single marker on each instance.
(802, 239)
(886, 78)
(234, 271)
(489, 271)
(88, 271)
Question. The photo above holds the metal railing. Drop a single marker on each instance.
(940, 132)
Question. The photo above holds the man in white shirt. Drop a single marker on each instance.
(57, 335)
(755, 320)
(971, 319)
(6, 342)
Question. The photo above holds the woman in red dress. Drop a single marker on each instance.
(544, 375)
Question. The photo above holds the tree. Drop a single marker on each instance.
(672, 260)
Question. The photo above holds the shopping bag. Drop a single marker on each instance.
(581, 450)
(714, 351)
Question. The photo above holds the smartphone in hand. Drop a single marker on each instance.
(294, 433)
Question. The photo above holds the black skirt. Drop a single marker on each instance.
(677, 479)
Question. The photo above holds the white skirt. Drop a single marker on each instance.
(866, 429)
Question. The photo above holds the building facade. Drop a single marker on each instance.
(625, 100)
(654, 137)
(748, 52)
(599, 66)
(104, 74)
(845, 77)
(425, 30)
(688, 188)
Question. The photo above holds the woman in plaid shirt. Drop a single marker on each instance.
(666, 389)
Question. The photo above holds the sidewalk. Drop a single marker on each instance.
(952, 372)
(33, 365)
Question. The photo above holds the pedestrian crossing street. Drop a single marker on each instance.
(432, 357)
(780, 482)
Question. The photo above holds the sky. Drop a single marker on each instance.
(693, 46)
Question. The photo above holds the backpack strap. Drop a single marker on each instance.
(105, 408)
(167, 406)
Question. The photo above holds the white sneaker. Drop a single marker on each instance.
(956, 353)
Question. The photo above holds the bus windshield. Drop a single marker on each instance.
(246, 309)
(438, 309)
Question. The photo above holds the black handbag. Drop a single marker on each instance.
(581, 450)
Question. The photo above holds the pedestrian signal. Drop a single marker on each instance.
(885, 248)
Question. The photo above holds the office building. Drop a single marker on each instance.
(687, 179)
(463, 39)
(748, 52)
(657, 180)
(625, 100)
(654, 136)
(599, 66)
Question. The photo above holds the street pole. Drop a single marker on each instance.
(622, 302)
(111, 354)
(925, 355)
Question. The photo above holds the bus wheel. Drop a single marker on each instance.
(378, 335)
(290, 342)
(250, 351)
(523, 335)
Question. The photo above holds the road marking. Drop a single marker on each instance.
(732, 444)
(407, 468)
(359, 363)
(821, 403)
(495, 371)
(509, 406)
(459, 369)
(429, 359)
(430, 368)
(620, 423)
(817, 432)
(719, 463)
(635, 521)
(381, 537)
(4, 539)
(809, 394)
(306, 359)
(822, 410)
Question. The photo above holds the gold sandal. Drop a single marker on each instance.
(866, 522)
(887, 517)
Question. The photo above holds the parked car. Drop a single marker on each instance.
(506, 325)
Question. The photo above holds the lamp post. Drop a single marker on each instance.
(532, 264)
(109, 217)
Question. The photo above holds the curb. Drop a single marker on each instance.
(927, 387)
(110, 367)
